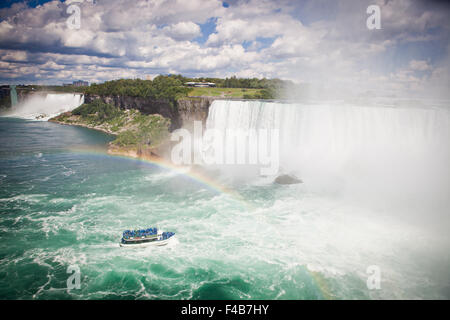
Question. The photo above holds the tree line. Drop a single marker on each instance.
(162, 87)
(234, 82)
(171, 87)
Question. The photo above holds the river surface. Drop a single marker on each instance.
(64, 202)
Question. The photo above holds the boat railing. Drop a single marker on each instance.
(140, 233)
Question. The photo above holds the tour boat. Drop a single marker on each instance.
(145, 237)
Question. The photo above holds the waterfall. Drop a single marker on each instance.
(13, 94)
(44, 106)
(352, 147)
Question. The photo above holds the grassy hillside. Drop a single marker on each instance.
(225, 92)
(132, 128)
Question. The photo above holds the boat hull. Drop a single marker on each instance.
(148, 244)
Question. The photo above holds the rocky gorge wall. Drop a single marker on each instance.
(183, 114)
(192, 109)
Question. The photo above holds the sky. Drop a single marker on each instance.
(324, 43)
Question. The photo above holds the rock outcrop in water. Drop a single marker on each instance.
(137, 135)
(287, 179)
(183, 114)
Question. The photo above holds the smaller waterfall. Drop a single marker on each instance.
(45, 106)
(13, 94)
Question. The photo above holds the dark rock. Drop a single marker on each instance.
(287, 179)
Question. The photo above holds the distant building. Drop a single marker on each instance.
(79, 83)
(200, 84)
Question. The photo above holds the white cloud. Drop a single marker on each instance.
(309, 41)
(183, 30)
(419, 65)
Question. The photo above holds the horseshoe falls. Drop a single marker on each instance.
(374, 197)
(397, 152)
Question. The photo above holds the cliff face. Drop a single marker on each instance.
(5, 97)
(192, 109)
(183, 114)
(145, 106)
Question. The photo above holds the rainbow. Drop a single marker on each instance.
(186, 171)
(210, 184)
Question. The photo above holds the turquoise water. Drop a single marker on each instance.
(62, 204)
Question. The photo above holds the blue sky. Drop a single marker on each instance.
(321, 42)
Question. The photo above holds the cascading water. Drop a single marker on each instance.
(254, 239)
(45, 106)
(398, 153)
(313, 240)
(375, 191)
(13, 94)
